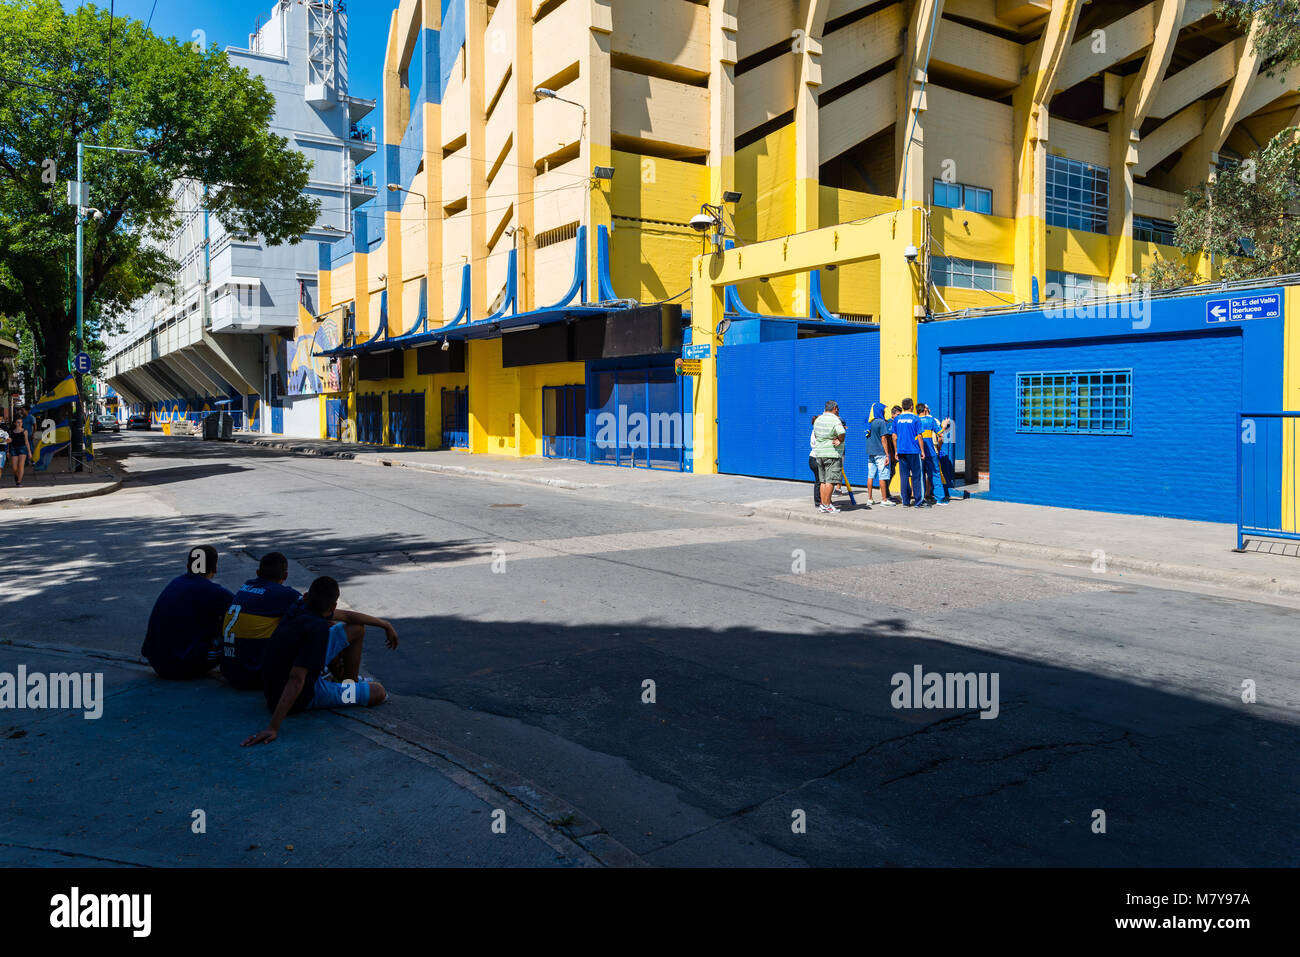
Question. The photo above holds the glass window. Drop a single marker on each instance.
(947, 195)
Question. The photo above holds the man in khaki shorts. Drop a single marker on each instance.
(828, 446)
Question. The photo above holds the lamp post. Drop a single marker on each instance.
(78, 438)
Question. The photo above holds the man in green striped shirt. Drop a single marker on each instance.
(828, 450)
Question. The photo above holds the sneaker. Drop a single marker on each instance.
(889, 501)
(828, 508)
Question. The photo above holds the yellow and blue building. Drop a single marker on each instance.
(899, 198)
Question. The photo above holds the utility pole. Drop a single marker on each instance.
(83, 197)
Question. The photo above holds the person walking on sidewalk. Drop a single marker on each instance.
(828, 440)
(947, 436)
(877, 449)
(20, 445)
(907, 432)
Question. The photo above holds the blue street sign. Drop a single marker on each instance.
(1241, 308)
(81, 363)
(696, 352)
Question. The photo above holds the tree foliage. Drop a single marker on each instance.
(1278, 39)
(1256, 201)
(110, 82)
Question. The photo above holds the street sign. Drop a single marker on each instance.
(78, 193)
(696, 352)
(688, 367)
(81, 363)
(1242, 308)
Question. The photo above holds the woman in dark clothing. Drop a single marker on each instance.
(812, 464)
(20, 445)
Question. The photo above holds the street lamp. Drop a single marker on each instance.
(78, 438)
(394, 188)
(542, 93)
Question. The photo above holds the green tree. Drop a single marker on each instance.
(1278, 39)
(1247, 218)
(109, 81)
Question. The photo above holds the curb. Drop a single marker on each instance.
(1184, 574)
(586, 838)
(295, 449)
(15, 502)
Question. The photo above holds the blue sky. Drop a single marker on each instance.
(229, 22)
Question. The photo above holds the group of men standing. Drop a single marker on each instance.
(915, 443)
(301, 650)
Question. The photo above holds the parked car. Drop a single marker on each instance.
(106, 422)
(138, 421)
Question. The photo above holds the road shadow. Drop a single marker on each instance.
(754, 727)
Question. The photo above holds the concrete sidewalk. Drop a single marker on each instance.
(1189, 553)
(357, 787)
(40, 488)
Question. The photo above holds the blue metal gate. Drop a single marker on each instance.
(1266, 476)
(370, 418)
(455, 418)
(335, 410)
(564, 422)
(639, 416)
(406, 418)
(769, 393)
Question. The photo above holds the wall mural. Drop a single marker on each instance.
(308, 374)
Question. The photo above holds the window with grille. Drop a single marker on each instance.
(1078, 194)
(1096, 403)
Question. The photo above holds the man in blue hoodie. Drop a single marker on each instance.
(879, 438)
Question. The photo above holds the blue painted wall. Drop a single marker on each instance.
(768, 393)
(1190, 378)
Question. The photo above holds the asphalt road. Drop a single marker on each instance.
(531, 619)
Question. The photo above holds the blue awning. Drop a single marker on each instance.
(482, 329)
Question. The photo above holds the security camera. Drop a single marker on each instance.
(96, 214)
(910, 253)
(445, 345)
(702, 222)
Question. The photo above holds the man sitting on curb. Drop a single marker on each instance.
(183, 639)
(303, 647)
(254, 614)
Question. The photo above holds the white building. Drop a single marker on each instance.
(218, 330)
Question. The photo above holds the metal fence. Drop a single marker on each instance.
(406, 418)
(1268, 505)
(455, 418)
(370, 418)
(564, 422)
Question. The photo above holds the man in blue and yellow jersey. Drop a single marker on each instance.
(911, 452)
(254, 614)
(934, 477)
